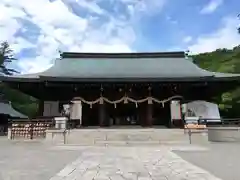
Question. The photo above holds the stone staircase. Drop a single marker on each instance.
(127, 137)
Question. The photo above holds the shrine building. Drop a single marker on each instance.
(122, 88)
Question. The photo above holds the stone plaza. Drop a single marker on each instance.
(33, 159)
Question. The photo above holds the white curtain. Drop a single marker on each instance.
(51, 108)
(175, 110)
(76, 110)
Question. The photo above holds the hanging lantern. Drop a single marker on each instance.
(91, 105)
(115, 105)
(163, 104)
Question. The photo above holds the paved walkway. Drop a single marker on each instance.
(130, 163)
(31, 160)
(222, 159)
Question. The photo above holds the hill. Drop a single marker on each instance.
(223, 60)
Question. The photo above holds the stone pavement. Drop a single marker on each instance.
(31, 160)
(130, 163)
(35, 160)
(221, 159)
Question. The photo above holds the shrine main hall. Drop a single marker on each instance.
(122, 88)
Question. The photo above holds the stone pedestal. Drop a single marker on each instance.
(224, 134)
(56, 136)
(60, 122)
(9, 133)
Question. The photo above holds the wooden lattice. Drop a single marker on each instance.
(29, 129)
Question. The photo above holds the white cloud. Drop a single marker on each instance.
(8, 23)
(224, 37)
(90, 5)
(187, 39)
(136, 8)
(211, 6)
(60, 29)
(171, 20)
(20, 44)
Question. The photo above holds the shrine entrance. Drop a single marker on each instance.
(162, 114)
(123, 114)
(126, 111)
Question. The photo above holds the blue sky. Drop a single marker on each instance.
(38, 29)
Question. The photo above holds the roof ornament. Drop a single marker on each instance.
(187, 54)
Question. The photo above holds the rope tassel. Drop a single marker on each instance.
(136, 105)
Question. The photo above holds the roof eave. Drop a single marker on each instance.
(125, 79)
(177, 54)
(18, 79)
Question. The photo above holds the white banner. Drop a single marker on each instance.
(76, 111)
(175, 110)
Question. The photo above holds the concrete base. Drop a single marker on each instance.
(9, 135)
(60, 122)
(56, 136)
(224, 134)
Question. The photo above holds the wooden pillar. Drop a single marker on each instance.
(149, 115)
(40, 107)
(102, 114)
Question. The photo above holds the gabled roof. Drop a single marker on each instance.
(122, 66)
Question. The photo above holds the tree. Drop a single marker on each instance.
(227, 61)
(6, 57)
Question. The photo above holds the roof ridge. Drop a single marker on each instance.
(177, 54)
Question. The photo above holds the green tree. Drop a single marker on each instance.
(226, 61)
(20, 101)
(6, 57)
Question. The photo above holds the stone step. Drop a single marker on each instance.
(126, 137)
(126, 143)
